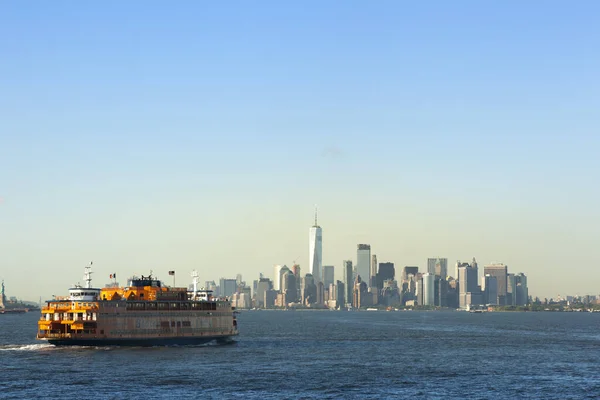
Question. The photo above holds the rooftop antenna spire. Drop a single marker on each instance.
(316, 215)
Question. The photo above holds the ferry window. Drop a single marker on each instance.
(179, 324)
(172, 323)
(187, 323)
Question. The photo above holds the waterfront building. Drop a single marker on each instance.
(419, 291)
(428, 289)
(511, 290)
(489, 287)
(309, 290)
(467, 283)
(500, 271)
(522, 291)
(328, 275)
(390, 293)
(270, 298)
(262, 286)
(363, 262)
(386, 272)
(320, 293)
(315, 250)
(441, 292)
(289, 288)
(360, 298)
(340, 291)
(348, 279)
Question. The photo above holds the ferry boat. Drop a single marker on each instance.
(144, 313)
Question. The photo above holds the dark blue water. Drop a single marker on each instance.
(316, 354)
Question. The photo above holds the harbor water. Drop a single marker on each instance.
(323, 354)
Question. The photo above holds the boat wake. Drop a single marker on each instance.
(27, 347)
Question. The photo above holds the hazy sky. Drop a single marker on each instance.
(158, 136)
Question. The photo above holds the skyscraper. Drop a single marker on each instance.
(438, 267)
(467, 284)
(328, 272)
(522, 291)
(490, 289)
(428, 289)
(348, 279)
(276, 277)
(499, 271)
(386, 272)
(363, 262)
(511, 290)
(373, 271)
(315, 250)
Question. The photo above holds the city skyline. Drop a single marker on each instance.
(199, 136)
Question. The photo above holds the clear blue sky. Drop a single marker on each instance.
(152, 135)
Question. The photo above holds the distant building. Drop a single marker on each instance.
(289, 289)
(373, 276)
(438, 267)
(409, 271)
(308, 290)
(428, 289)
(348, 279)
(522, 290)
(363, 262)
(227, 287)
(490, 289)
(386, 272)
(270, 298)
(441, 292)
(468, 288)
(511, 290)
(340, 291)
(499, 271)
(360, 294)
(328, 274)
(315, 250)
(277, 277)
(264, 284)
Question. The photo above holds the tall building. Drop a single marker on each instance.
(373, 277)
(490, 289)
(409, 271)
(227, 287)
(363, 262)
(522, 291)
(328, 272)
(386, 272)
(348, 279)
(499, 271)
(277, 277)
(467, 284)
(438, 267)
(289, 288)
(315, 250)
(264, 284)
(511, 290)
(428, 289)
(340, 291)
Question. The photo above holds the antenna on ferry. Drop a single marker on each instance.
(195, 281)
(88, 276)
